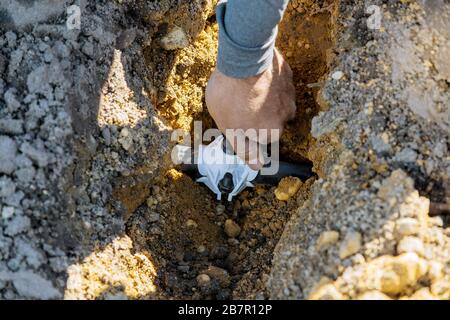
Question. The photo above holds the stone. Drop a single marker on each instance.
(407, 155)
(125, 39)
(11, 101)
(325, 292)
(8, 151)
(337, 75)
(191, 223)
(411, 244)
(32, 286)
(219, 274)
(397, 273)
(220, 208)
(203, 280)
(153, 217)
(11, 126)
(17, 225)
(380, 146)
(7, 187)
(287, 188)
(40, 157)
(350, 245)
(373, 295)
(175, 39)
(126, 139)
(106, 134)
(326, 239)
(396, 183)
(7, 212)
(232, 229)
(88, 49)
(407, 227)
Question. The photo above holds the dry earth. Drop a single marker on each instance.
(92, 208)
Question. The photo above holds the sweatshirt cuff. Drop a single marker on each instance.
(237, 61)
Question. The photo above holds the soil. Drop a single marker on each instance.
(247, 258)
(92, 207)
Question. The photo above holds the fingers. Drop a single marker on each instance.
(249, 150)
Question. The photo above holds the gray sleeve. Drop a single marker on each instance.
(247, 33)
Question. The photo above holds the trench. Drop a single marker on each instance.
(181, 225)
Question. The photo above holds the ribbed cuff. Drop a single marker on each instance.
(237, 61)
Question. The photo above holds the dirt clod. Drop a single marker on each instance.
(232, 229)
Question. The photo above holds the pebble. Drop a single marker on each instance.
(287, 188)
(220, 209)
(411, 244)
(201, 249)
(191, 223)
(7, 212)
(175, 39)
(350, 245)
(106, 134)
(203, 280)
(326, 239)
(125, 140)
(397, 273)
(337, 75)
(153, 217)
(10, 126)
(232, 229)
(407, 227)
(8, 151)
(219, 274)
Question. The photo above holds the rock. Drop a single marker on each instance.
(397, 273)
(410, 244)
(287, 188)
(350, 245)
(7, 212)
(11, 101)
(38, 156)
(326, 239)
(17, 225)
(201, 249)
(407, 155)
(8, 151)
(232, 229)
(88, 49)
(191, 223)
(106, 134)
(407, 227)
(337, 75)
(380, 145)
(126, 139)
(396, 183)
(25, 175)
(32, 286)
(373, 295)
(218, 274)
(153, 217)
(10, 126)
(7, 187)
(175, 39)
(325, 292)
(220, 208)
(125, 39)
(203, 280)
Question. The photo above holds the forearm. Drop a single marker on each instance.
(247, 33)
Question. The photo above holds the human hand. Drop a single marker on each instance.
(265, 101)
